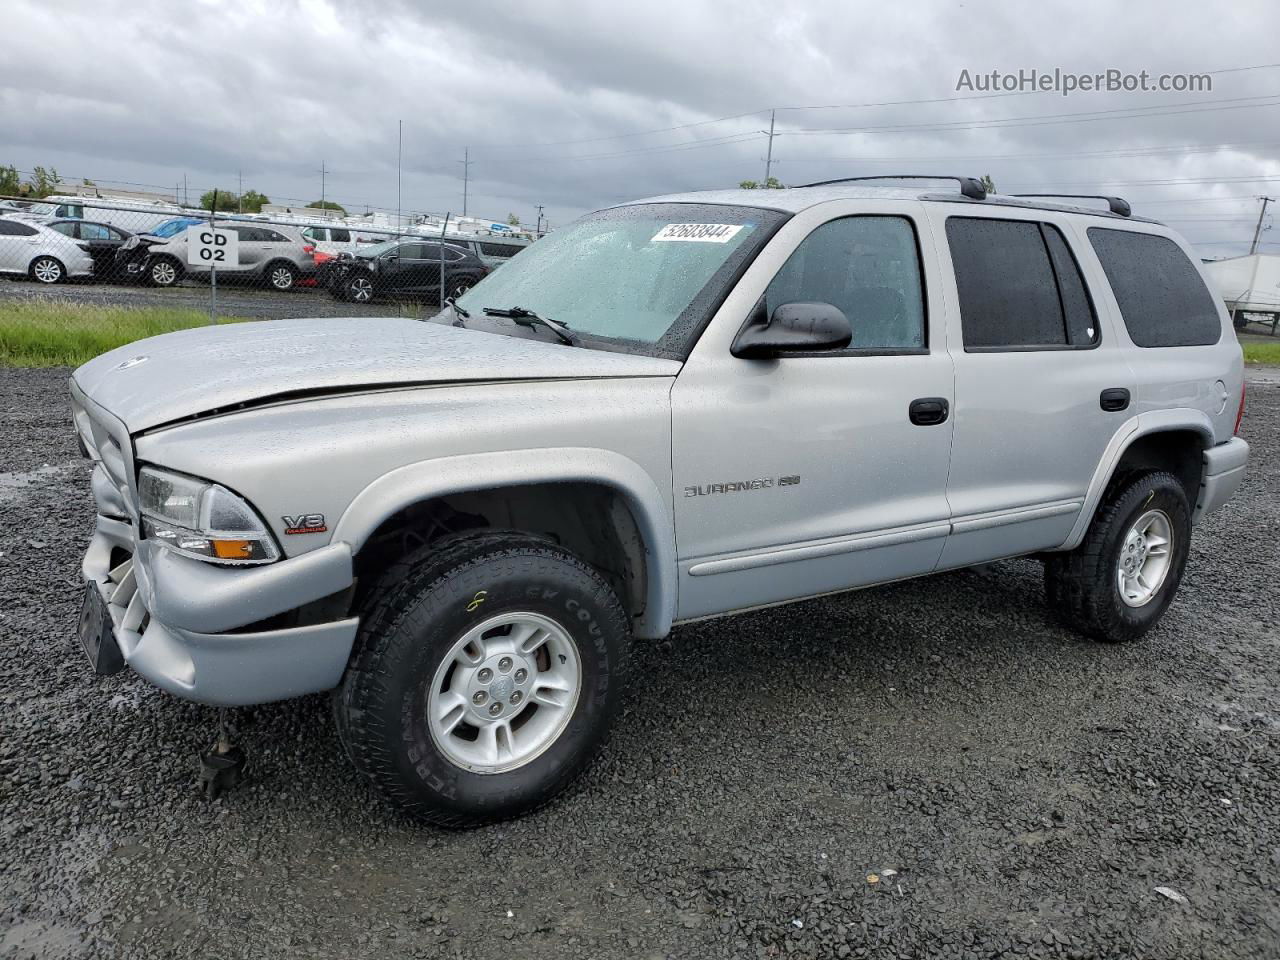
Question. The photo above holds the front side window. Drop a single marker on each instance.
(867, 266)
(643, 278)
(1019, 286)
(340, 236)
(1162, 299)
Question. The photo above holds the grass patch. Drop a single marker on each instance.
(1262, 353)
(58, 333)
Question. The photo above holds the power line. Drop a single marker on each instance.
(827, 106)
(1085, 116)
(1133, 152)
(1088, 116)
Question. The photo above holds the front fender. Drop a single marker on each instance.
(444, 476)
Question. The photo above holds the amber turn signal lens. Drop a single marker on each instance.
(232, 549)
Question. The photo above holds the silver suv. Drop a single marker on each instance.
(273, 254)
(678, 408)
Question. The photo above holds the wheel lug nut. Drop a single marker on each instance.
(495, 708)
(516, 697)
(485, 675)
(504, 664)
(479, 697)
(522, 675)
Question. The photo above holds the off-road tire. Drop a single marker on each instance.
(1081, 586)
(417, 611)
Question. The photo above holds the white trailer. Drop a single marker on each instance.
(1250, 287)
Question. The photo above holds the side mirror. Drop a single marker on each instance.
(798, 327)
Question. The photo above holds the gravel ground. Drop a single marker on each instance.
(1017, 791)
(234, 300)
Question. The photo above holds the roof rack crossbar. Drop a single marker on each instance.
(1117, 205)
(971, 187)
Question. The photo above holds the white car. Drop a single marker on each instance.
(44, 255)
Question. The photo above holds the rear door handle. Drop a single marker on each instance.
(1114, 399)
(929, 411)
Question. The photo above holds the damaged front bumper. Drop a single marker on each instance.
(227, 636)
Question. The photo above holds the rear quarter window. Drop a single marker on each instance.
(1161, 297)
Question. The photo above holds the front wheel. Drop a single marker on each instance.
(358, 289)
(164, 272)
(485, 678)
(47, 270)
(1118, 583)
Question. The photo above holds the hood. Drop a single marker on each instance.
(183, 374)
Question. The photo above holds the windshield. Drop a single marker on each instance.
(647, 276)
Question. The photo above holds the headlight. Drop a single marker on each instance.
(200, 519)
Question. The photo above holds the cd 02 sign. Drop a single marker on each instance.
(210, 247)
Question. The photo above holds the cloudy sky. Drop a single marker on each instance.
(574, 105)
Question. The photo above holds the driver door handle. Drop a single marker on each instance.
(929, 411)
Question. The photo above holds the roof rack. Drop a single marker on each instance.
(971, 187)
(1117, 205)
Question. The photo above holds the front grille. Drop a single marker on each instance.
(107, 444)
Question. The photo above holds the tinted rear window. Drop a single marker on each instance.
(1162, 299)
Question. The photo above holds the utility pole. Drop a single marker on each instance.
(768, 159)
(538, 227)
(322, 206)
(1257, 231)
(399, 151)
(240, 194)
(466, 176)
(186, 200)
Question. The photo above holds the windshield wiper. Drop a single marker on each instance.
(527, 318)
(459, 313)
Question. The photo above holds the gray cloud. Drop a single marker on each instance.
(148, 91)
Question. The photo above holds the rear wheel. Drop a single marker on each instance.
(164, 272)
(1118, 583)
(281, 275)
(485, 678)
(47, 270)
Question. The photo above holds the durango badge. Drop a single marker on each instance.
(305, 523)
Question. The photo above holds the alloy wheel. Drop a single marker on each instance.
(1146, 556)
(504, 693)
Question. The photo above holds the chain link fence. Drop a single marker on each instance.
(272, 265)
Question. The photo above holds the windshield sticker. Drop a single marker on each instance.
(697, 232)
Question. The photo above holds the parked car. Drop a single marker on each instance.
(673, 409)
(102, 241)
(45, 255)
(131, 259)
(403, 268)
(493, 252)
(278, 256)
